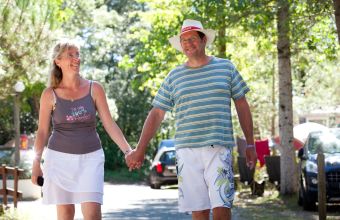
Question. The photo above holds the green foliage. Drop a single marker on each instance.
(110, 49)
(312, 29)
(11, 214)
(155, 58)
(24, 37)
(320, 84)
(123, 175)
(29, 111)
(6, 120)
(113, 156)
(125, 47)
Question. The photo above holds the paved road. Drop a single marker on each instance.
(141, 202)
(121, 202)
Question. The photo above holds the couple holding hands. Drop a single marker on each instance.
(199, 91)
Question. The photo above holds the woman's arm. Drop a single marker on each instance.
(110, 126)
(46, 107)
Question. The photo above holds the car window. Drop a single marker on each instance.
(313, 144)
(328, 142)
(169, 157)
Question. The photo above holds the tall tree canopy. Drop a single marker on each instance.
(255, 27)
(25, 37)
(125, 47)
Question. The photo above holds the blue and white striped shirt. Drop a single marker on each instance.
(201, 98)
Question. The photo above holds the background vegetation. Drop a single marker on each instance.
(125, 47)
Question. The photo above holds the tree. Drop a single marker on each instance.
(25, 34)
(244, 35)
(6, 121)
(125, 46)
(268, 23)
(106, 30)
(337, 16)
(288, 180)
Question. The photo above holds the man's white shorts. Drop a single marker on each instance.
(205, 178)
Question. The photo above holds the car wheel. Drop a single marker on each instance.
(300, 193)
(300, 197)
(155, 186)
(153, 183)
(308, 203)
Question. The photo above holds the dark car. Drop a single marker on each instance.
(163, 167)
(329, 143)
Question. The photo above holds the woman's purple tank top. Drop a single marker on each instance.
(74, 126)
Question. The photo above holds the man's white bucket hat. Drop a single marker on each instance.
(191, 25)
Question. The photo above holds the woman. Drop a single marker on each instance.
(73, 168)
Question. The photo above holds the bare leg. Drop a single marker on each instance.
(91, 211)
(221, 213)
(201, 215)
(65, 212)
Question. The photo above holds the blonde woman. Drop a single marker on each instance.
(73, 169)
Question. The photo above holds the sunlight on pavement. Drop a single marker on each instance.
(120, 202)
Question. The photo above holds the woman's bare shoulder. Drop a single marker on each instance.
(47, 95)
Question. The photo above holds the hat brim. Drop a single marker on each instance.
(175, 41)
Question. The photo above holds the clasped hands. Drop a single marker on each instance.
(134, 159)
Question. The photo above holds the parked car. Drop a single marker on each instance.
(163, 167)
(329, 143)
(6, 155)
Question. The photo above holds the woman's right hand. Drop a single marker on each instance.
(36, 171)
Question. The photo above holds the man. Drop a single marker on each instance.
(200, 92)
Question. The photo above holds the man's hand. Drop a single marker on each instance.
(251, 157)
(134, 159)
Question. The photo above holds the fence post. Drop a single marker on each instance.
(4, 182)
(16, 182)
(321, 186)
(15, 172)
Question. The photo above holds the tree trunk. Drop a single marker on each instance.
(273, 132)
(288, 162)
(337, 16)
(221, 38)
(221, 42)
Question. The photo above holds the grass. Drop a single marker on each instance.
(11, 214)
(274, 206)
(123, 175)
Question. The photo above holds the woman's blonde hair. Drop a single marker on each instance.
(56, 74)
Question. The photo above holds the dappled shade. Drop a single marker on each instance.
(246, 175)
(273, 168)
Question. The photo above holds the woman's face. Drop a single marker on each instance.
(69, 61)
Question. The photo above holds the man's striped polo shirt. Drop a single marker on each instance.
(201, 98)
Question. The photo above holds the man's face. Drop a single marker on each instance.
(192, 44)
